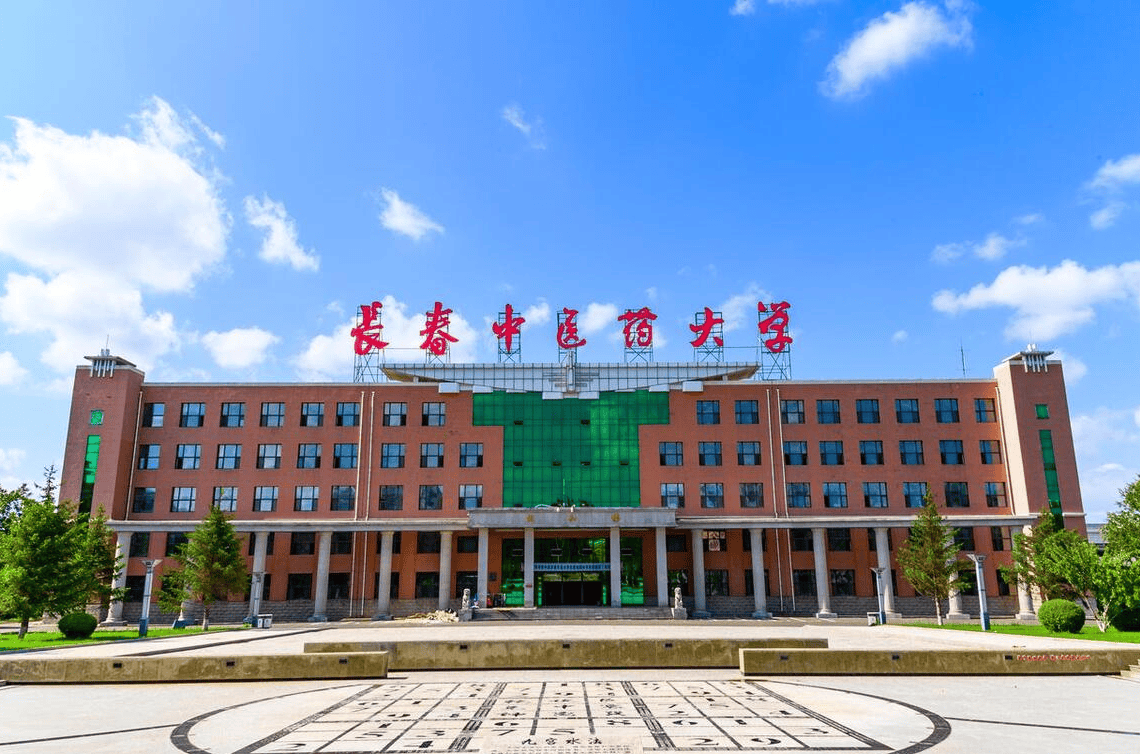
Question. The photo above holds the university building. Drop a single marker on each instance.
(569, 485)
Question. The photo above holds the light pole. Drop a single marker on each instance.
(144, 619)
(879, 590)
(979, 573)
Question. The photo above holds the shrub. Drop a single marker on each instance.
(1061, 616)
(78, 625)
(1127, 620)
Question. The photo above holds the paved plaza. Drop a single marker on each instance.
(578, 711)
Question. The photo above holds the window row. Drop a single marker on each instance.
(911, 452)
(345, 455)
(312, 414)
(834, 494)
(709, 453)
(307, 498)
(827, 411)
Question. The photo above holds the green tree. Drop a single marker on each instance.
(210, 567)
(1105, 584)
(43, 568)
(10, 502)
(929, 557)
(103, 560)
(1028, 566)
(1122, 532)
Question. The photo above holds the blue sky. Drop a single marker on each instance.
(214, 187)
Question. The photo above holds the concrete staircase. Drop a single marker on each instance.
(1132, 673)
(571, 613)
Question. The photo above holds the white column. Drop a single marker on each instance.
(444, 570)
(615, 566)
(822, 582)
(384, 586)
(759, 585)
(662, 569)
(260, 546)
(955, 613)
(883, 551)
(528, 567)
(482, 581)
(1025, 608)
(700, 609)
(122, 549)
(321, 588)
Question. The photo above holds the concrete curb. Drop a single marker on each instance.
(1018, 661)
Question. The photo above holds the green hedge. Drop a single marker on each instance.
(1062, 616)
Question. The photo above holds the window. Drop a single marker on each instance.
(799, 494)
(174, 542)
(671, 453)
(874, 494)
(842, 582)
(802, 540)
(831, 452)
(951, 452)
(712, 495)
(148, 456)
(1042, 410)
(708, 412)
(140, 545)
(309, 455)
(676, 543)
(672, 495)
(467, 544)
(434, 415)
(747, 453)
(716, 582)
(427, 542)
(990, 451)
(273, 414)
(747, 412)
(910, 452)
(964, 538)
(914, 494)
(233, 415)
(153, 414)
(827, 411)
(395, 414)
(946, 410)
(312, 414)
(341, 544)
(431, 497)
(343, 497)
(344, 455)
(392, 455)
(264, 499)
(96, 417)
(427, 585)
(839, 540)
(431, 455)
(305, 497)
(867, 410)
(871, 452)
(302, 543)
(391, 497)
(997, 538)
(803, 582)
(957, 495)
(299, 586)
(182, 499)
(225, 498)
(795, 453)
(835, 494)
(269, 456)
(995, 495)
(229, 456)
(792, 412)
(348, 414)
(984, 410)
(906, 410)
(188, 456)
(470, 496)
(193, 415)
(751, 495)
(708, 453)
(143, 500)
(470, 455)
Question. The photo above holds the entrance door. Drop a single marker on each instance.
(571, 589)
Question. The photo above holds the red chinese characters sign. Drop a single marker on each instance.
(775, 325)
(638, 330)
(436, 336)
(705, 328)
(567, 336)
(508, 328)
(367, 333)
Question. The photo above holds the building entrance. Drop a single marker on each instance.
(570, 571)
(571, 589)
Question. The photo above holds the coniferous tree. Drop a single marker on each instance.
(929, 557)
(103, 561)
(1029, 566)
(210, 567)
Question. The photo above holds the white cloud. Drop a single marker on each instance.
(10, 370)
(742, 8)
(597, 317)
(537, 314)
(1047, 302)
(239, 348)
(945, 253)
(1106, 216)
(1107, 443)
(533, 131)
(1031, 219)
(651, 293)
(98, 220)
(1113, 177)
(280, 241)
(10, 460)
(405, 218)
(1075, 369)
(899, 336)
(992, 248)
(740, 310)
(893, 41)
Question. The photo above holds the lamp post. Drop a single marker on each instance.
(144, 618)
(979, 573)
(879, 590)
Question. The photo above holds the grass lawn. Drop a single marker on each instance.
(51, 639)
(1090, 631)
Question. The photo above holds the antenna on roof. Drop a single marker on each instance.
(962, 354)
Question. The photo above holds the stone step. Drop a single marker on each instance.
(572, 613)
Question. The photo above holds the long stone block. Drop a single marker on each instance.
(554, 653)
(769, 662)
(165, 669)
